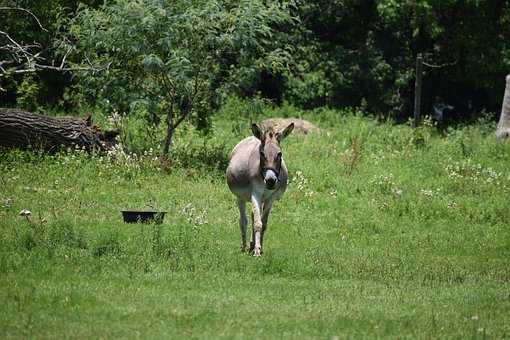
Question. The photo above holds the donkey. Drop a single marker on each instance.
(257, 174)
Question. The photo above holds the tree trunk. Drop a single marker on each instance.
(169, 132)
(21, 129)
(503, 130)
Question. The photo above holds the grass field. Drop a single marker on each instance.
(384, 232)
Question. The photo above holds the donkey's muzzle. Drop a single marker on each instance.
(270, 183)
(270, 179)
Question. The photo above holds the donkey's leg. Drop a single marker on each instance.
(243, 221)
(265, 215)
(252, 243)
(256, 202)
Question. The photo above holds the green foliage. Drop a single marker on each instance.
(354, 52)
(175, 58)
(28, 92)
(39, 25)
(181, 58)
(311, 89)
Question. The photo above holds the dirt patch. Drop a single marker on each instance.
(300, 125)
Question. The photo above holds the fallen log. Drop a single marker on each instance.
(22, 129)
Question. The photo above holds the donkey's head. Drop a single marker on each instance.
(271, 153)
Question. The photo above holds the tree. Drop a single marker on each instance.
(363, 52)
(176, 57)
(33, 49)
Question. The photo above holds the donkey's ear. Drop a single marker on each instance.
(256, 131)
(287, 130)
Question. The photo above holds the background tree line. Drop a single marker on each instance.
(181, 59)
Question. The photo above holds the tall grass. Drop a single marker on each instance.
(385, 231)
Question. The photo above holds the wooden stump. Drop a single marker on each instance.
(21, 129)
(503, 130)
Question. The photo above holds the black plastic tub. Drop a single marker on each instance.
(138, 216)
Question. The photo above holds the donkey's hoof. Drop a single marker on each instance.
(257, 252)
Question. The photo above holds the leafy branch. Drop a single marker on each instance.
(21, 58)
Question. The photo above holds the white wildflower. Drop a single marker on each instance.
(309, 193)
(427, 193)
(193, 216)
(397, 191)
(452, 205)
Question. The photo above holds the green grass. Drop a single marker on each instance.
(384, 232)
